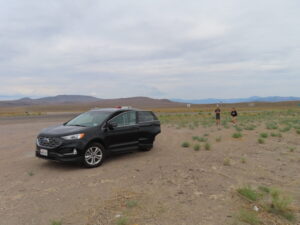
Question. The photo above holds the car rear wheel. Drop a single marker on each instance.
(147, 147)
(94, 155)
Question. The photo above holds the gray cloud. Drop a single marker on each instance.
(165, 48)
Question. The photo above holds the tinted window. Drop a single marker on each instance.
(125, 119)
(146, 116)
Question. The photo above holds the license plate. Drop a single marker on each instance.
(44, 152)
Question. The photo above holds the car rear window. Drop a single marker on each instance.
(146, 117)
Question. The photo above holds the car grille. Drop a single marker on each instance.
(49, 142)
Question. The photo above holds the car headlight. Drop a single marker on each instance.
(73, 137)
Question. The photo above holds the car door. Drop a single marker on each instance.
(124, 136)
(149, 127)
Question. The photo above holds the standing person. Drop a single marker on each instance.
(218, 115)
(234, 115)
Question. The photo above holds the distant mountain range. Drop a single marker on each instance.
(50, 100)
(133, 101)
(66, 98)
(93, 101)
(237, 100)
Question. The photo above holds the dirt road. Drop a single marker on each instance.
(168, 185)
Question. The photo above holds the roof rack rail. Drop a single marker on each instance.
(124, 107)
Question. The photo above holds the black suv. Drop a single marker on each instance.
(91, 136)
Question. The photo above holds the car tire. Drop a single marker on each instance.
(149, 146)
(94, 155)
(146, 149)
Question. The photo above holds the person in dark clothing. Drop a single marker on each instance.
(218, 116)
(234, 115)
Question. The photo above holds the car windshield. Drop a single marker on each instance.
(89, 119)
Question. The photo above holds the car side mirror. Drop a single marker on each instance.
(111, 125)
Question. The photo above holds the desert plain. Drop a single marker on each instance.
(196, 173)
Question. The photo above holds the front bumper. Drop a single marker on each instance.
(64, 153)
(59, 157)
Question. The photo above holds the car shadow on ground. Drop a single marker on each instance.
(62, 166)
(110, 160)
(114, 158)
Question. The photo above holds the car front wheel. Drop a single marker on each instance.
(94, 155)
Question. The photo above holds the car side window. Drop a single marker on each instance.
(146, 117)
(131, 118)
(125, 119)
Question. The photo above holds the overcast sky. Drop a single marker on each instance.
(158, 48)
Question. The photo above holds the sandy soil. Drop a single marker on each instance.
(169, 185)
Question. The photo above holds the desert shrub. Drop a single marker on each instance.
(54, 222)
(195, 138)
(263, 135)
(226, 126)
(274, 134)
(207, 146)
(298, 131)
(226, 162)
(280, 205)
(249, 217)
(131, 203)
(271, 126)
(243, 160)
(202, 139)
(249, 193)
(237, 135)
(219, 139)
(292, 149)
(191, 127)
(185, 144)
(197, 147)
(122, 221)
(30, 173)
(250, 127)
(285, 129)
(271, 200)
(206, 135)
(264, 189)
(261, 141)
(238, 129)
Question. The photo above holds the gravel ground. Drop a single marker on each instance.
(167, 185)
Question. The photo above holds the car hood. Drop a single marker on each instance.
(62, 130)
